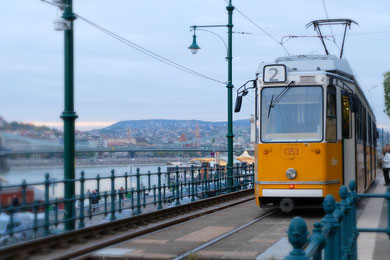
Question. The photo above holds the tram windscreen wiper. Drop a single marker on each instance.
(279, 97)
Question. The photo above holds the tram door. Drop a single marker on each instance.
(369, 151)
(348, 126)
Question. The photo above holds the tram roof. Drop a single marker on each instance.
(311, 63)
(318, 63)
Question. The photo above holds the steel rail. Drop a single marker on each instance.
(233, 205)
(62, 241)
(223, 236)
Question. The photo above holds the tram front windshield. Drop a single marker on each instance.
(292, 114)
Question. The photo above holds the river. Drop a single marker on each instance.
(32, 175)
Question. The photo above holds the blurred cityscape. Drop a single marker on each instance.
(27, 145)
(156, 133)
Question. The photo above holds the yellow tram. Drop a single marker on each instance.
(315, 131)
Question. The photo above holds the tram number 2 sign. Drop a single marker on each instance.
(274, 73)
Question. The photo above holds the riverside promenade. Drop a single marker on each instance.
(223, 235)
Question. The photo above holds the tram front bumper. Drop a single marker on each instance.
(293, 193)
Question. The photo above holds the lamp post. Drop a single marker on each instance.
(194, 49)
(65, 23)
(69, 116)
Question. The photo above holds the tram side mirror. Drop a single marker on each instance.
(354, 103)
(377, 134)
(237, 107)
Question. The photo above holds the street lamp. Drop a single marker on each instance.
(194, 47)
(229, 85)
(65, 23)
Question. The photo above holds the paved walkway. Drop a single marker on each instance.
(262, 240)
(372, 213)
(374, 245)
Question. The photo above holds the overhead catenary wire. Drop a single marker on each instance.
(51, 3)
(152, 54)
(279, 35)
(148, 52)
(330, 26)
(264, 31)
(357, 75)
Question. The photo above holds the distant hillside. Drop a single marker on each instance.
(166, 131)
(30, 128)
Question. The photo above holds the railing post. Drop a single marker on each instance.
(229, 179)
(112, 217)
(120, 196)
(74, 207)
(126, 188)
(138, 210)
(11, 220)
(205, 182)
(183, 183)
(98, 185)
(132, 197)
(164, 187)
(144, 196)
(82, 180)
(199, 182)
(216, 180)
(24, 188)
(297, 236)
(237, 177)
(354, 231)
(149, 181)
(319, 239)
(192, 184)
(154, 195)
(185, 176)
(55, 212)
(245, 178)
(35, 212)
(47, 186)
(168, 186)
(159, 202)
(339, 215)
(346, 233)
(105, 204)
(177, 202)
(329, 219)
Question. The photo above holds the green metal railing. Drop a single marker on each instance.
(28, 215)
(336, 235)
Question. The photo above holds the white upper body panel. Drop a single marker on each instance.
(311, 63)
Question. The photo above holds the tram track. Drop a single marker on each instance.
(223, 236)
(83, 241)
(150, 253)
(90, 256)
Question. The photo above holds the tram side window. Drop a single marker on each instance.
(364, 128)
(369, 128)
(331, 122)
(346, 118)
(359, 122)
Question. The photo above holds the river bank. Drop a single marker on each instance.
(88, 163)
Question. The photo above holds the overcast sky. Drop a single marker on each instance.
(114, 82)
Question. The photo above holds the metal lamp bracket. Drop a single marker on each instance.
(61, 24)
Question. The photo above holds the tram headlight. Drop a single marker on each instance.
(291, 173)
